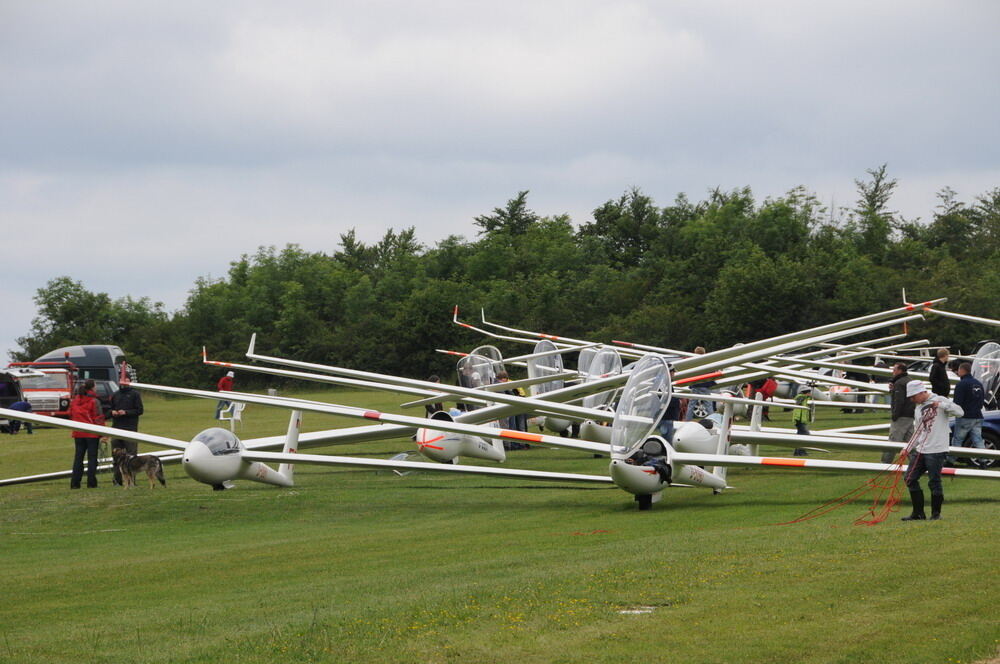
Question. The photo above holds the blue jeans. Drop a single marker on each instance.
(932, 464)
(666, 428)
(968, 427)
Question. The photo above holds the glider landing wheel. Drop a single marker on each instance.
(645, 501)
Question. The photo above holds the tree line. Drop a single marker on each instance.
(715, 272)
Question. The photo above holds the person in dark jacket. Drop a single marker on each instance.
(970, 395)
(126, 407)
(940, 384)
(901, 409)
(15, 425)
(85, 408)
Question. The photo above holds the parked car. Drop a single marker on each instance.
(48, 393)
(100, 362)
(991, 438)
(10, 389)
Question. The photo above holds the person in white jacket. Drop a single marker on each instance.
(928, 447)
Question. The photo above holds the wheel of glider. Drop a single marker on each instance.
(645, 501)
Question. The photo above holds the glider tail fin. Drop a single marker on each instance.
(291, 445)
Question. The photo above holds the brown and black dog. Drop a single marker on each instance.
(130, 464)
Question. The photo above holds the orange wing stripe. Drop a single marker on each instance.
(782, 462)
(521, 435)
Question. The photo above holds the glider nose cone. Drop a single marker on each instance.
(437, 445)
(636, 479)
(204, 465)
(196, 461)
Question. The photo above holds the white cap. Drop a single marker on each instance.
(914, 387)
(230, 374)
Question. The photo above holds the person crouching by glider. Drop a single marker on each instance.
(929, 447)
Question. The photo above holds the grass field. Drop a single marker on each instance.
(357, 566)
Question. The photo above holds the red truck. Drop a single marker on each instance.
(48, 393)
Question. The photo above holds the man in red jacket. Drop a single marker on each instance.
(225, 385)
(85, 408)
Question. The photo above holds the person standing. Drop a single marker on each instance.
(225, 384)
(900, 409)
(802, 418)
(85, 408)
(126, 407)
(940, 384)
(929, 447)
(970, 396)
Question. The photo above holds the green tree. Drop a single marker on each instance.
(515, 218)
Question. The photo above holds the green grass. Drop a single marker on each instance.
(357, 566)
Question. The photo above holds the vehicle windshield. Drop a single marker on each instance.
(50, 381)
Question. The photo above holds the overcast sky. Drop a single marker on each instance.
(146, 144)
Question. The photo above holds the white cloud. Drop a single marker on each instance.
(189, 133)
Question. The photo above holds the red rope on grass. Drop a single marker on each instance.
(884, 486)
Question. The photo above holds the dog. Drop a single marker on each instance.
(130, 464)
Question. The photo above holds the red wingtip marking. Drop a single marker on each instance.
(695, 379)
(948, 471)
(621, 343)
(373, 414)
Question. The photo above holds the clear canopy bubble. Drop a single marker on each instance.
(219, 441)
(548, 365)
(986, 369)
(585, 358)
(643, 402)
(491, 353)
(603, 363)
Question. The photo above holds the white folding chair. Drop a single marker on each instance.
(232, 414)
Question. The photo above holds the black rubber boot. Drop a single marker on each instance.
(917, 498)
(937, 499)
